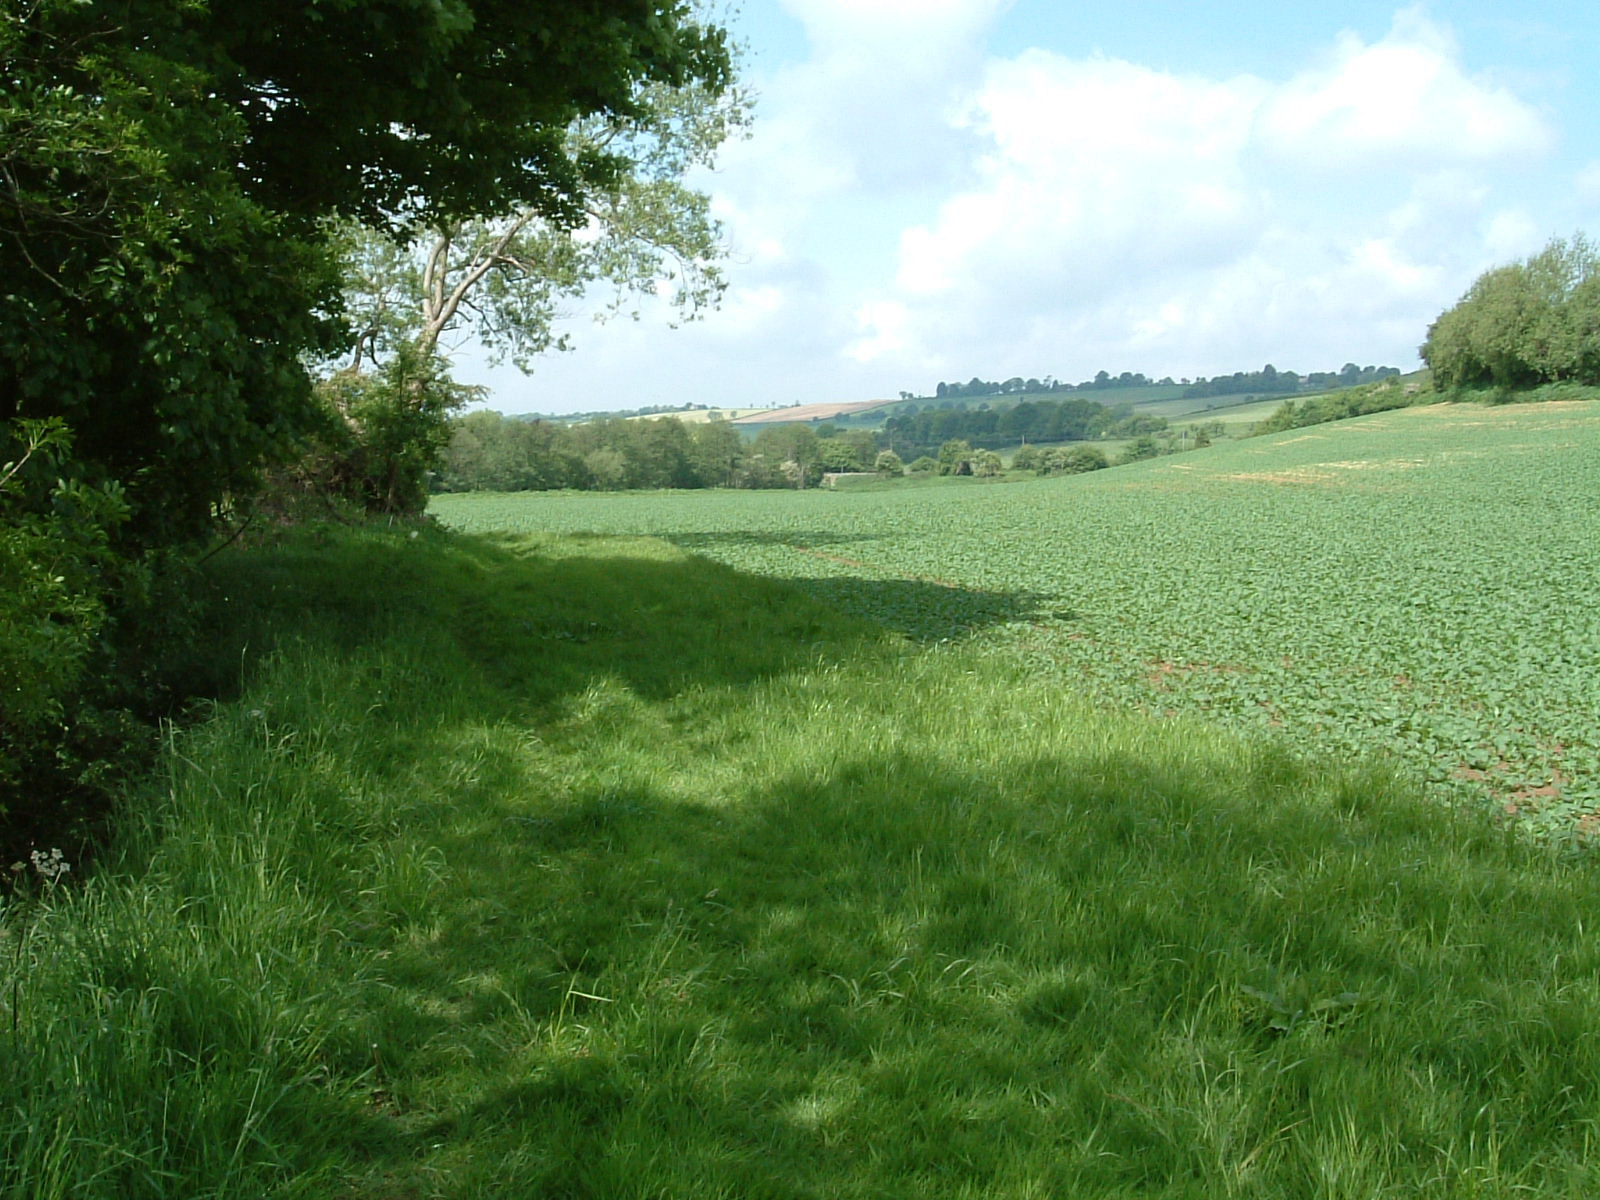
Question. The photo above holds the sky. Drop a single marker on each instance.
(941, 189)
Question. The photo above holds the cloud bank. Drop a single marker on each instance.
(911, 208)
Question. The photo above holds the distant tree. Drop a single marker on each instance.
(888, 463)
(795, 449)
(716, 453)
(1029, 458)
(1075, 460)
(838, 455)
(1139, 449)
(955, 457)
(608, 468)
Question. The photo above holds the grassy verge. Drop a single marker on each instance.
(585, 868)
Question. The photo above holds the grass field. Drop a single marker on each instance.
(536, 864)
(1422, 582)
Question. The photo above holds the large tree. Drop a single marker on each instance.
(505, 279)
(168, 169)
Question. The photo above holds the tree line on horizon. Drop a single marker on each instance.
(1269, 381)
(488, 451)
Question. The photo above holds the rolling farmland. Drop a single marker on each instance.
(1422, 582)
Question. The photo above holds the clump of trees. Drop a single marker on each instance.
(1525, 324)
(490, 452)
(1269, 381)
(1071, 420)
(181, 188)
(1060, 460)
(1018, 386)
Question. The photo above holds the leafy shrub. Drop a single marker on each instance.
(380, 436)
(1029, 458)
(1075, 460)
(1139, 449)
(1336, 406)
(888, 463)
(1532, 322)
(57, 567)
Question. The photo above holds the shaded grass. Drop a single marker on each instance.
(583, 868)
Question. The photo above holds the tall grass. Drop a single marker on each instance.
(584, 868)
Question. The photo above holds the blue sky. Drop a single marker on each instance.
(936, 189)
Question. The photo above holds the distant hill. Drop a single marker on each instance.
(810, 412)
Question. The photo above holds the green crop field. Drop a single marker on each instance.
(1423, 583)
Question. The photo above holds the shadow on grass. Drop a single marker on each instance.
(910, 976)
(544, 618)
(880, 936)
(926, 611)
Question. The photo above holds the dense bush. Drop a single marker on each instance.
(90, 641)
(1525, 324)
(1075, 460)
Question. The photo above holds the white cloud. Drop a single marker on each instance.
(910, 209)
(1120, 213)
(1405, 99)
(1512, 234)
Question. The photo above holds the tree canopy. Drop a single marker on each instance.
(167, 168)
(503, 279)
(1527, 323)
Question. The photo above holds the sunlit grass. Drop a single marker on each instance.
(585, 868)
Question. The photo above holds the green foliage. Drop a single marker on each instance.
(384, 433)
(1529, 323)
(1073, 460)
(168, 165)
(91, 643)
(1338, 406)
(1139, 449)
(52, 601)
(488, 452)
(785, 455)
(152, 302)
(888, 463)
(955, 457)
(1029, 458)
